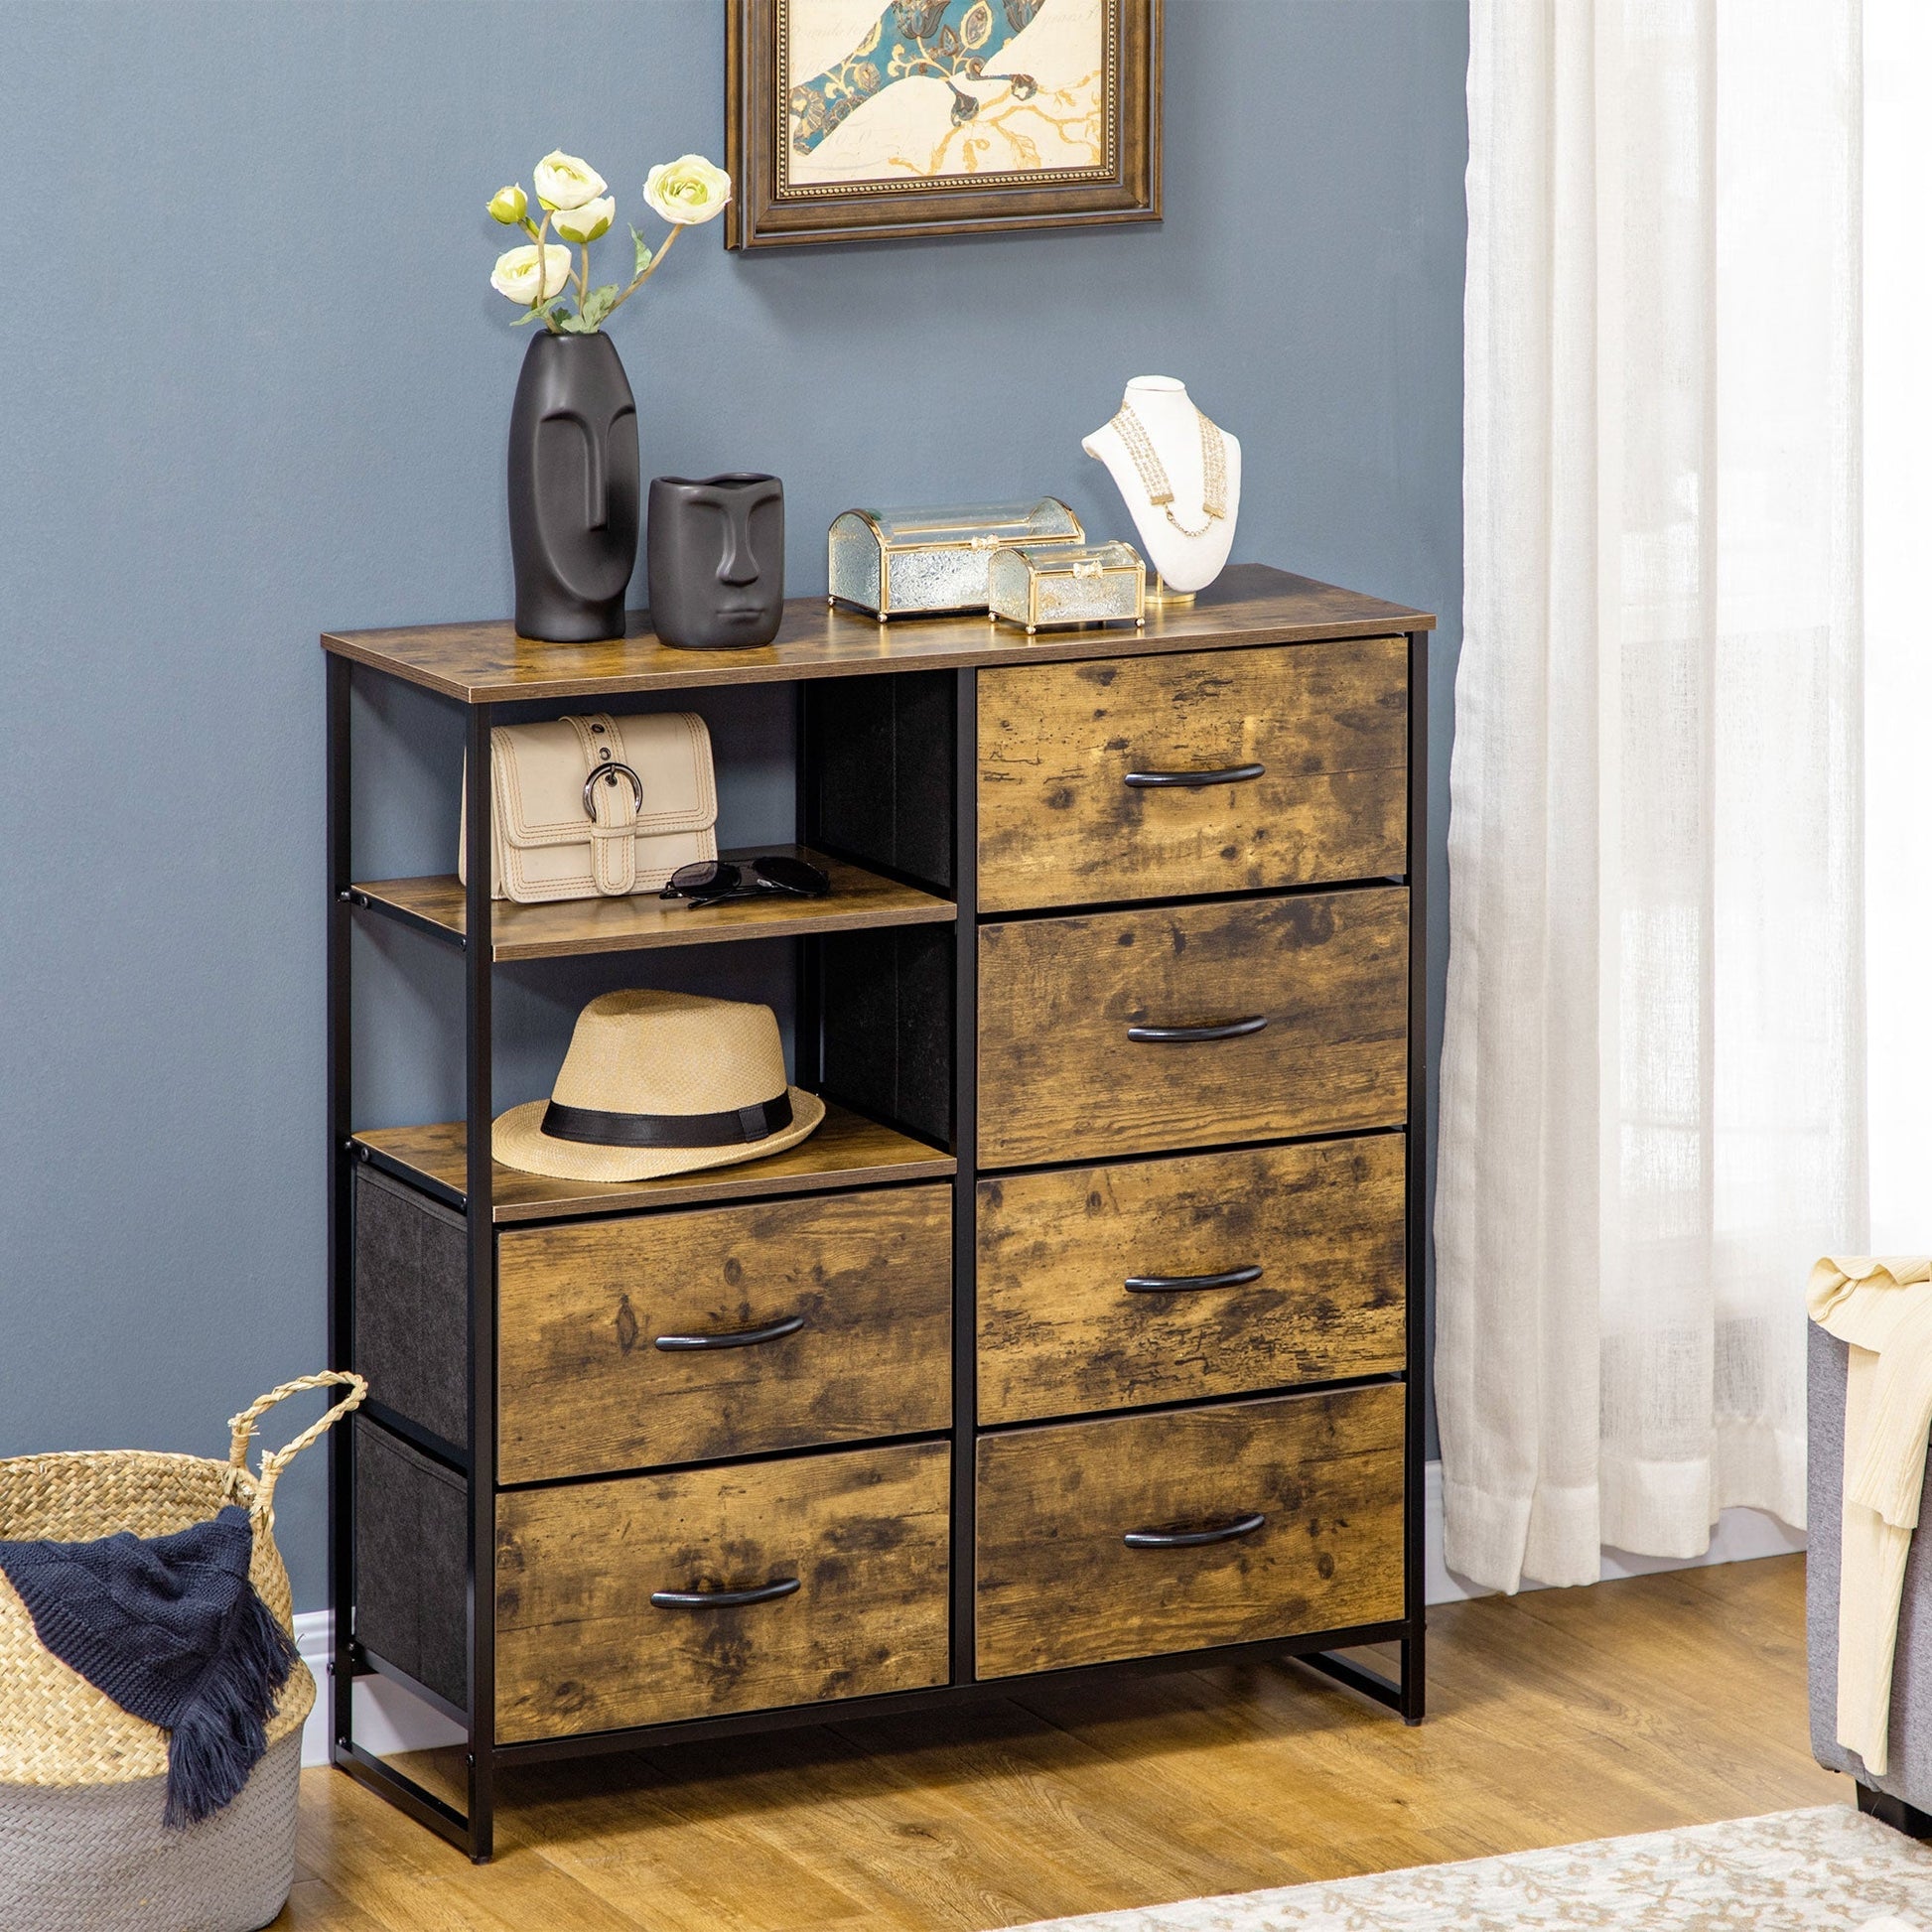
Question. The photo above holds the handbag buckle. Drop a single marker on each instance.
(610, 772)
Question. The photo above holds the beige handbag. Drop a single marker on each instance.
(598, 806)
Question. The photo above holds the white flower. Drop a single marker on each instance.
(687, 191)
(515, 274)
(585, 223)
(508, 204)
(565, 181)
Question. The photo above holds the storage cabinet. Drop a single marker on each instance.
(1081, 1334)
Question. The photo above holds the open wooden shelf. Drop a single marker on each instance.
(847, 1151)
(571, 928)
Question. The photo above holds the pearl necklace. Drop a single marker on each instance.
(1153, 473)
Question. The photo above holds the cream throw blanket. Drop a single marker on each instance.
(1883, 1309)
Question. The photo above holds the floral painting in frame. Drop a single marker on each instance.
(854, 118)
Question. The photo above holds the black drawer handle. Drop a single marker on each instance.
(1233, 774)
(1191, 1539)
(734, 1337)
(1171, 1284)
(721, 1600)
(1181, 1036)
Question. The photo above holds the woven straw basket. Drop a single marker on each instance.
(81, 1782)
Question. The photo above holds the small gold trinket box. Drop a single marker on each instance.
(895, 563)
(1092, 583)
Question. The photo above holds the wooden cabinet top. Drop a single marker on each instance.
(489, 663)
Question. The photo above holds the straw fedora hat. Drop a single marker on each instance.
(660, 1084)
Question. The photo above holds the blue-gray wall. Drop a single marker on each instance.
(255, 385)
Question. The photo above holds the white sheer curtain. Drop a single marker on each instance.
(1653, 1104)
(1898, 624)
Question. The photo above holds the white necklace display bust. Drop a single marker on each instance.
(1173, 425)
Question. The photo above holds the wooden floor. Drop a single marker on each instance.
(1558, 1716)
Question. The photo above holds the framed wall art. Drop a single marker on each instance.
(850, 119)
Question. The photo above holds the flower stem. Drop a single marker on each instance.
(584, 281)
(637, 281)
(543, 277)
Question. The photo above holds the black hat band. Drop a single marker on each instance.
(734, 1127)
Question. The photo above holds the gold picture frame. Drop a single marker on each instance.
(848, 153)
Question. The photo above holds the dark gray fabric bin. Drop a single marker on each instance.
(411, 1311)
(410, 1538)
(1910, 1774)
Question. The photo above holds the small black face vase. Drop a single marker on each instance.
(573, 475)
(716, 560)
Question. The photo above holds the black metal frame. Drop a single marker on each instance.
(472, 1830)
(341, 1335)
(965, 1151)
(480, 1225)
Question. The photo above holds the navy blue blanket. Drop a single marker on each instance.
(171, 1629)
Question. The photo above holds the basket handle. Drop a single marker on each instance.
(242, 1431)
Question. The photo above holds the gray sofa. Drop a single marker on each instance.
(1903, 1796)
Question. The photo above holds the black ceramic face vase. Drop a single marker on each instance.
(573, 484)
(716, 560)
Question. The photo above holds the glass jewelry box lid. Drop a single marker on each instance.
(1080, 559)
(973, 527)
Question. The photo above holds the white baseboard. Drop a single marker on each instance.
(389, 1720)
(1740, 1536)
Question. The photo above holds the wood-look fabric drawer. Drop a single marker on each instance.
(1060, 825)
(1061, 1079)
(581, 1645)
(853, 1294)
(1288, 1264)
(1059, 1583)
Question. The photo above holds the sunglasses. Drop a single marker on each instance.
(709, 880)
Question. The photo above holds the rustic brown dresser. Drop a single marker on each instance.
(1085, 1335)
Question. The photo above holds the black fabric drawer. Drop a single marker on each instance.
(411, 1320)
(409, 1549)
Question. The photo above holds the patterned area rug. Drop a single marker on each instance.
(1828, 1869)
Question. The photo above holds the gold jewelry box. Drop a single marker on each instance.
(893, 562)
(1092, 583)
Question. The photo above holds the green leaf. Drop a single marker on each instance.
(578, 326)
(528, 315)
(600, 303)
(643, 251)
